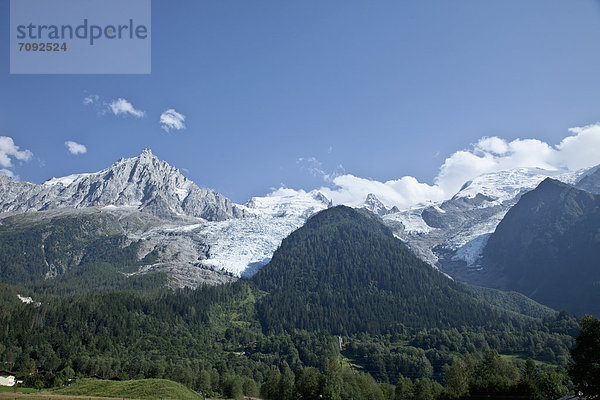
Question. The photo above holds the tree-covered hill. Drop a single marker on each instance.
(344, 272)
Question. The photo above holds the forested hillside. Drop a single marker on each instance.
(35, 247)
(344, 272)
(343, 275)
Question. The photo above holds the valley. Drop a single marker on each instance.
(255, 298)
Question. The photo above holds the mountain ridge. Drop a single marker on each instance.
(144, 183)
(547, 248)
(452, 234)
(200, 228)
(198, 235)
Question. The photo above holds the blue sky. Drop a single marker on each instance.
(294, 93)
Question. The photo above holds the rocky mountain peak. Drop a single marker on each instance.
(371, 198)
(144, 183)
(373, 204)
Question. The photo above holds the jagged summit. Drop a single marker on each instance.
(144, 183)
(373, 204)
(371, 198)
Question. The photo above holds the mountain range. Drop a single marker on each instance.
(372, 292)
(195, 235)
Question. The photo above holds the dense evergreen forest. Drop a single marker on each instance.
(344, 272)
(407, 331)
(211, 341)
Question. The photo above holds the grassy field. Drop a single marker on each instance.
(46, 396)
(8, 389)
(512, 357)
(136, 389)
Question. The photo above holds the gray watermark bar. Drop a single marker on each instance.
(80, 36)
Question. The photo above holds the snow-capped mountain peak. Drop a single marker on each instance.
(187, 247)
(452, 234)
(143, 182)
(288, 202)
(374, 205)
(505, 185)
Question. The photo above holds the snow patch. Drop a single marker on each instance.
(65, 180)
(183, 191)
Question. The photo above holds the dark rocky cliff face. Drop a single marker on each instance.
(548, 248)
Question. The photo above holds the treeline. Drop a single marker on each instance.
(467, 378)
(424, 353)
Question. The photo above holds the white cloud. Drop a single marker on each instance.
(10, 151)
(284, 192)
(404, 192)
(311, 164)
(119, 106)
(489, 154)
(91, 99)
(75, 148)
(582, 149)
(315, 168)
(493, 145)
(123, 107)
(171, 119)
